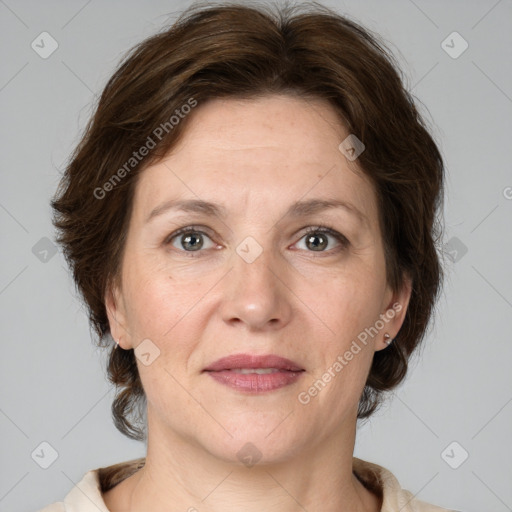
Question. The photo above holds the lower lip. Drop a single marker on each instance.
(254, 382)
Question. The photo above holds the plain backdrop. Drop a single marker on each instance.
(445, 433)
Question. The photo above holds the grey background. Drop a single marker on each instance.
(52, 380)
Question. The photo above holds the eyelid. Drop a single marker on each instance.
(187, 229)
(325, 229)
(328, 230)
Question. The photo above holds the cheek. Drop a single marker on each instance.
(348, 350)
(352, 306)
(350, 303)
(151, 310)
(159, 298)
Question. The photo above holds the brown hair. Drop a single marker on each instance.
(230, 50)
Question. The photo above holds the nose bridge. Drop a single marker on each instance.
(255, 296)
(255, 266)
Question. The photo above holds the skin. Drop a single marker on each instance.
(254, 157)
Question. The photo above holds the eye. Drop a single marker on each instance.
(192, 239)
(317, 239)
(189, 239)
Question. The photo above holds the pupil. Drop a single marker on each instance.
(189, 242)
(317, 245)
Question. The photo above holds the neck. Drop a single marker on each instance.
(180, 473)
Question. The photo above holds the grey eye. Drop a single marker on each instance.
(189, 240)
(317, 242)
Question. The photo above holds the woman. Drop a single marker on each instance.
(251, 217)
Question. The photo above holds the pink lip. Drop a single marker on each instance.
(237, 361)
(222, 371)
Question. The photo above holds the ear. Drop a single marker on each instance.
(395, 309)
(116, 313)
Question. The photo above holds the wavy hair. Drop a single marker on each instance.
(229, 50)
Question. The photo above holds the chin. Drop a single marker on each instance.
(257, 442)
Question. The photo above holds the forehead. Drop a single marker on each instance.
(238, 151)
(298, 130)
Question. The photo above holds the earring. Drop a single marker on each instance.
(117, 344)
(387, 339)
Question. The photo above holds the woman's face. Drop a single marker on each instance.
(248, 279)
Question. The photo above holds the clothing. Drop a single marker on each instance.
(86, 495)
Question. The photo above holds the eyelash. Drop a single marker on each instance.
(327, 230)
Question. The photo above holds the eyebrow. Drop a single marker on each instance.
(296, 210)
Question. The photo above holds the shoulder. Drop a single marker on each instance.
(383, 482)
(87, 494)
(84, 496)
(54, 507)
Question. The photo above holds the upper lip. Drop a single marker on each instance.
(239, 361)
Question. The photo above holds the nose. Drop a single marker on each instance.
(257, 294)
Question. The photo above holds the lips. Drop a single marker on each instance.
(247, 361)
(254, 374)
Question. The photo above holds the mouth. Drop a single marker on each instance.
(259, 371)
(254, 362)
(255, 374)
